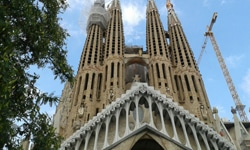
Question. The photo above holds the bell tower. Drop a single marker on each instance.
(188, 84)
(86, 101)
(113, 55)
(160, 70)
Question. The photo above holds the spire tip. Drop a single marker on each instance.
(169, 5)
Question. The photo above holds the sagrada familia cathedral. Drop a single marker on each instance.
(130, 98)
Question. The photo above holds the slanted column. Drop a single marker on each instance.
(205, 140)
(127, 130)
(185, 132)
(171, 115)
(97, 131)
(117, 115)
(87, 141)
(196, 138)
(162, 120)
(106, 132)
(150, 112)
(137, 112)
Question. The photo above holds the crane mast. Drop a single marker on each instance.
(239, 106)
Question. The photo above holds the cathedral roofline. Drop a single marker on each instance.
(166, 103)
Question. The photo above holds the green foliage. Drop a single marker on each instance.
(30, 34)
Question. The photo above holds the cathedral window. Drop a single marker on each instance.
(158, 71)
(112, 70)
(194, 83)
(187, 83)
(86, 81)
(93, 79)
(176, 82)
(164, 71)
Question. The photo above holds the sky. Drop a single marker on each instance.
(231, 30)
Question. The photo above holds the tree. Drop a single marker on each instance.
(30, 34)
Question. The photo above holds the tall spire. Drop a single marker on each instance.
(116, 4)
(169, 4)
(151, 5)
(85, 102)
(160, 68)
(113, 54)
(172, 17)
(98, 15)
(189, 87)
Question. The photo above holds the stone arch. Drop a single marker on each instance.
(201, 140)
(144, 104)
(101, 136)
(179, 130)
(135, 66)
(122, 122)
(131, 120)
(156, 116)
(144, 101)
(111, 129)
(191, 137)
(168, 123)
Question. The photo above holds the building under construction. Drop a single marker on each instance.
(129, 98)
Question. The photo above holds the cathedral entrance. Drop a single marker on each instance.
(147, 144)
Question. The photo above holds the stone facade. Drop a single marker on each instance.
(125, 97)
(143, 113)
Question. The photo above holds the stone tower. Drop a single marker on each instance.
(160, 69)
(188, 85)
(87, 90)
(113, 55)
(125, 97)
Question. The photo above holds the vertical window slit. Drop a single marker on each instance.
(158, 71)
(195, 88)
(187, 83)
(93, 79)
(86, 81)
(164, 71)
(112, 70)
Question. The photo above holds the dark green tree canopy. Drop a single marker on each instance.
(30, 34)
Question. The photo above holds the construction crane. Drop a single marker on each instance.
(239, 106)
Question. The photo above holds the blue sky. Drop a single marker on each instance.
(231, 30)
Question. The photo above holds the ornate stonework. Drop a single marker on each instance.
(119, 122)
(125, 97)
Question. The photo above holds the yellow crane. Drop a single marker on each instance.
(239, 106)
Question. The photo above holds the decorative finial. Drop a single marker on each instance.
(169, 5)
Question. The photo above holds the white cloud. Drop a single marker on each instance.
(74, 4)
(233, 61)
(71, 28)
(85, 9)
(221, 109)
(133, 13)
(246, 83)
